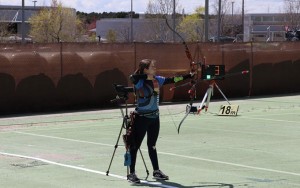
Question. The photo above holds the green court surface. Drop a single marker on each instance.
(260, 147)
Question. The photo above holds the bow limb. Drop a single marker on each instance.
(189, 106)
(193, 65)
(193, 68)
(187, 50)
(188, 110)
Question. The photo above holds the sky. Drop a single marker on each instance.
(139, 6)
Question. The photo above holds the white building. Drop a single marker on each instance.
(264, 27)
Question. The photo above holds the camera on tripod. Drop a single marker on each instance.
(122, 96)
(122, 92)
(123, 89)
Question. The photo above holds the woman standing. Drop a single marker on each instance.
(147, 85)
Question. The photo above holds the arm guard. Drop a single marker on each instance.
(176, 79)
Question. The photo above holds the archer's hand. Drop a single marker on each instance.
(194, 68)
(193, 73)
(150, 77)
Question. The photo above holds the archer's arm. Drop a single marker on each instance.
(175, 79)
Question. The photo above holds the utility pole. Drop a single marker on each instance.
(232, 3)
(206, 20)
(131, 23)
(23, 22)
(219, 21)
(174, 17)
(232, 20)
(243, 14)
(34, 2)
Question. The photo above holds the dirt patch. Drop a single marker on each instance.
(23, 162)
(13, 127)
(30, 164)
(26, 125)
(21, 126)
(59, 157)
(3, 156)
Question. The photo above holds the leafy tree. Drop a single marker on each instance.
(192, 26)
(111, 36)
(55, 24)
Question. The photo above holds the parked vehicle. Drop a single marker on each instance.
(292, 35)
(222, 39)
(155, 41)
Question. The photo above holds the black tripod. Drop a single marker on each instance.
(125, 125)
(208, 94)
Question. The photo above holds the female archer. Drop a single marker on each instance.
(147, 86)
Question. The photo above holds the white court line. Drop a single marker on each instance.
(267, 119)
(176, 155)
(232, 164)
(243, 132)
(60, 138)
(254, 114)
(156, 184)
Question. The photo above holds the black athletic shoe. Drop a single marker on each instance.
(133, 178)
(159, 175)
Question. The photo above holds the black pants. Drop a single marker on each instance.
(143, 125)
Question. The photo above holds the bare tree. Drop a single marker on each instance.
(145, 31)
(225, 9)
(55, 24)
(292, 11)
(157, 11)
(124, 32)
(5, 28)
(159, 8)
(3, 31)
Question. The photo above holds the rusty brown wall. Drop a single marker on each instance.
(38, 77)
